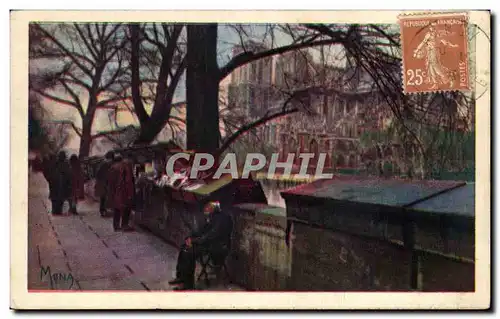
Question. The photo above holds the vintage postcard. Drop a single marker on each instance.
(250, 160)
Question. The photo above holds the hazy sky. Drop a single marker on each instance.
(228, 37)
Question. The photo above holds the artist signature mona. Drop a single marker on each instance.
(57, 280)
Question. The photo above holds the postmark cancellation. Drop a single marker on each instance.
(434, 52)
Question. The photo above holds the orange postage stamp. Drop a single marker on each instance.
(435, 56)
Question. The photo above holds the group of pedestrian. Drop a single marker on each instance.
(115, 185)
(115, 188)
(66, 181)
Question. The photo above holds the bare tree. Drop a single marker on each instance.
(204, 75)
(92, 65)
(158, 50)
(45, 136)
(424, 128)
(41, 136)
(157, 65)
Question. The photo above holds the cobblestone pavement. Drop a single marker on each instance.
(84, 253)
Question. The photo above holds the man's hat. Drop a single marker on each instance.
(212, 207)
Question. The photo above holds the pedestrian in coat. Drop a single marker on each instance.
(48, 166)
(129, 162)
(101, 183)
(121, 191)
(77, 183)
(61, 184)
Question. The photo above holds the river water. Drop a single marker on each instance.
(272, 189)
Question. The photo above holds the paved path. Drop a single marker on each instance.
(84, 253)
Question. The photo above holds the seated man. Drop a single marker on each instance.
(214, 239)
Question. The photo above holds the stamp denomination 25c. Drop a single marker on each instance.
(435, 56)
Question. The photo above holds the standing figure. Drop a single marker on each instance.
(428, 49)
(159, 165)
(77, 183)
(61, 184)
(121, 191)
(48, 165)
(129, 163)
(214, 239)
(101, 184)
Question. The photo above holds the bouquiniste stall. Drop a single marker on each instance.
(172, 205)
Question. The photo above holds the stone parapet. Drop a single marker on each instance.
(378, 235)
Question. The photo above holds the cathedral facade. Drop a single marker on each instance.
(332, 121)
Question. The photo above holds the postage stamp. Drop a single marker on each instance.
(435, 56)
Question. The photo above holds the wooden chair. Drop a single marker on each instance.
(211, 265)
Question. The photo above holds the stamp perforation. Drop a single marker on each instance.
(433, 15)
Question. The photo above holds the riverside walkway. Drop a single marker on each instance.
(84, 253)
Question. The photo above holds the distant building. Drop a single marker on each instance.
(339, 121)
(294, 70)
(348, 110)
(251, 85)
(341, 115)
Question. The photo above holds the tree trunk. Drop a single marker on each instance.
(202, 88)
(88, 120)
(85, 143)
(146, 135)
(149, 130)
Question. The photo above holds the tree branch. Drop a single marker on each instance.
(77, 130)
(156, 41)
(57, 99)
(385, 34)
(245, 128)
(112, 32)
(98, 31)
(142, 115)
(110, 133)
(166, 65)
(66, 51)
(93, 40)
(247, 57)
(115, 51)
(171, 90)
(75, 97)
(104, 103)
(76, 81)
(119, 71)
(85, 41)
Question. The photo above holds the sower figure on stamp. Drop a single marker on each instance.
(120, 192)
(429, 50)
(214, 239)
(101, 183)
